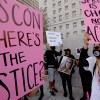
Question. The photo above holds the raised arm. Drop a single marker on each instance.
(84, 51)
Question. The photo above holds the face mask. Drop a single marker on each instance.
(53, 48)
(96, 53)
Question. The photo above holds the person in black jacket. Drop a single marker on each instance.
(66, 77)
(86, 76)
(52, 64)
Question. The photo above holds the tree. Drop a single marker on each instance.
(45, 25)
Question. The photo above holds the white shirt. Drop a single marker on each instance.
(95, 94)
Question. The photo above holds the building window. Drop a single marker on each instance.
(54, 5)
(75, 33)
(67, 16)
(82, 23)
(60, 27)
(60, 17)
(54, 12)
(62, 36)
(80, 12)
(83, 31)
(74, 24)
(67, 26)
(74, 14)
(60, 9)
(54, 28)
(59, 3)
(67, 34)
(74, 5)
(65, 1)
(45, 9)
(66, 7)
(45, 2)
(54, 19)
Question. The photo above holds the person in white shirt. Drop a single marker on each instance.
(94, 67)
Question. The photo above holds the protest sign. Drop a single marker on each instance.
(21, 49)
(66, 65)
(78, 51)
(91, 14)
(54, 38)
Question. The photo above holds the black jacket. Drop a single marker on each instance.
(51, 57)
(82, 59)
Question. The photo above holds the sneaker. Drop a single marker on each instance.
(41, 96)
(25, 98)
(71, 98)
(65, 94)
(83, 98)
(55, 90)
(52, 92)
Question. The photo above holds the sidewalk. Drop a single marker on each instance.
(77, 93)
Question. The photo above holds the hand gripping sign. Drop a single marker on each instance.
(21, 49)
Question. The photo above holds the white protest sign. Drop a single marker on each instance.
(54, 38)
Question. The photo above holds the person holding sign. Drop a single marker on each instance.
(93, 65)
(52, 64)
(66, 65)
(67, 76)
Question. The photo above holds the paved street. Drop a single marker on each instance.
(77, 93)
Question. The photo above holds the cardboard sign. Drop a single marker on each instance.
(78, 51)
(54, 38)
(66, 65)
(91, 14)
(21, 49)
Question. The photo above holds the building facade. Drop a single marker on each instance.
(31, 3)
(65, 16)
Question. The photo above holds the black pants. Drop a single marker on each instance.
(67, 78)
(41, 90)
(86, 79)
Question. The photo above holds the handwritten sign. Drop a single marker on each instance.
(21, 49)
(91, 13)
(53, 38)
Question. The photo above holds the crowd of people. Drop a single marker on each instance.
(89, 70)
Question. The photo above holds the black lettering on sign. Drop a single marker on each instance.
(2, 84)
(6, 14)
(5, 58)
(29, 39)
(35, 74)
(4, 39)
(37, 43)
(17, 58)
(20, 38)
(25, 17)
(93, 6)
(23, 78)
(37, 20)
(11, 38)
(15, 80)
(14, 15)
(94, 36)
(28, 69)
(95, 21)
